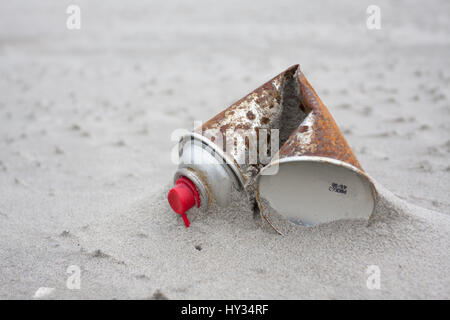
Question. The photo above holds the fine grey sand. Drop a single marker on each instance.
(86, 118)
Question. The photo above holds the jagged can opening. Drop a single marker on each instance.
(313, 190)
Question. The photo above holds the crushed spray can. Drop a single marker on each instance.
(231, 151)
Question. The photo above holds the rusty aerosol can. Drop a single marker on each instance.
(279, 143)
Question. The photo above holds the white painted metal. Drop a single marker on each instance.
(313, 190)
(222, 156)
(212, 176)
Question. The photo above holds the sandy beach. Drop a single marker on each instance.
(86, 118)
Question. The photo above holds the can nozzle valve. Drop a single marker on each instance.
(183, 197)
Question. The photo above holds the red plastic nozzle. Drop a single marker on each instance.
(182, 197)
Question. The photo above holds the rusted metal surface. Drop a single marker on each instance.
(254, 110)
(318, 134)
(260, 109)
(307, 132)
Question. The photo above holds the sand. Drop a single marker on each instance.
(85, 124)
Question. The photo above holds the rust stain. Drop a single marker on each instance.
(250, 115)
(247, 115)
(262, 108)
(327, 139)
(265, 120)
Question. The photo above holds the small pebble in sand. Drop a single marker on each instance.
(99, 254)
(344, 106)
(65, 233)
(425, 166)
(43, 292)
(120, 143)
(347, 131)
(158, 295)
(75, 127)
(58, 150)
(141, 235)
(403, 119)
(391, 100)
